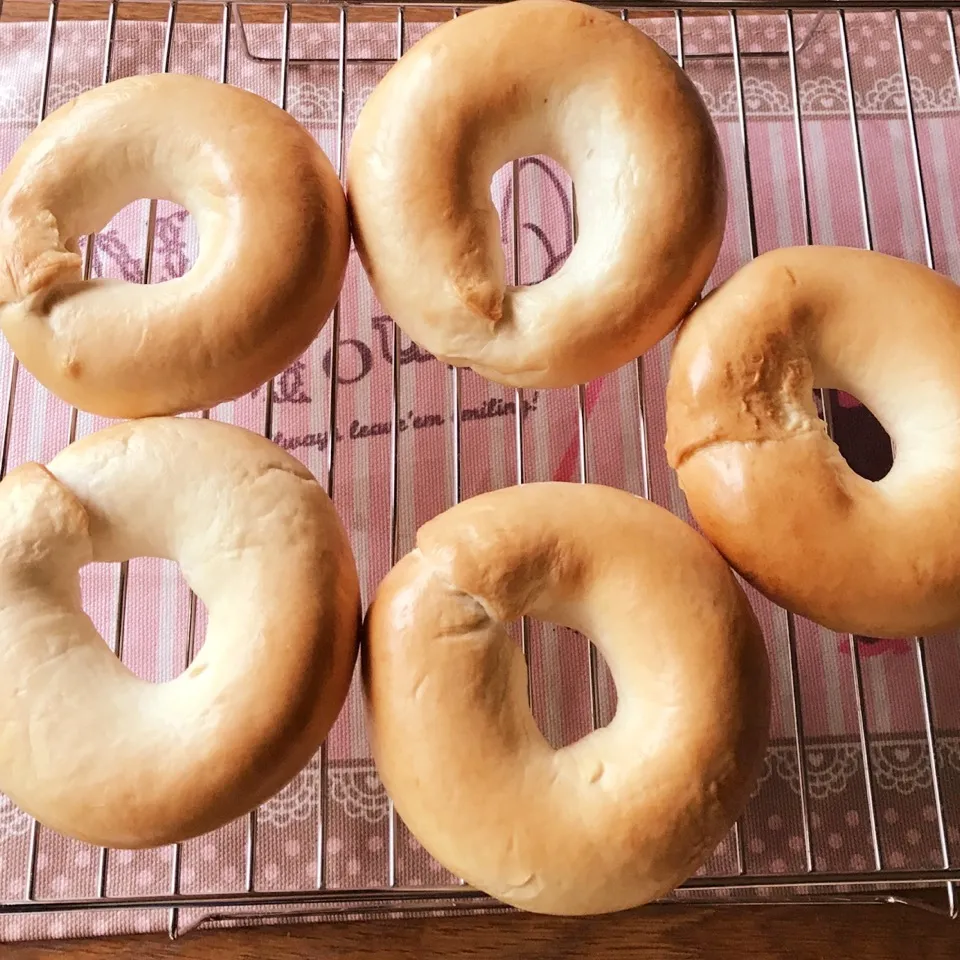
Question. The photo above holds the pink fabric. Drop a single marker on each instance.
(155, 627)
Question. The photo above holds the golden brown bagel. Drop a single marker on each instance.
(274, 239)
(536, 77)
(95, 752)
(766, 483)
(632, 809)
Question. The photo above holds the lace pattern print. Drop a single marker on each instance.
(13, 822)
(341, 806)
(829, 768)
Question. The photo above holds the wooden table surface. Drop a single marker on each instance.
(656, 933)
(848, 932)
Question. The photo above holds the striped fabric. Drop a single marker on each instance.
(624, 439)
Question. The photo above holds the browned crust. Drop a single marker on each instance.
(536, 76)
(101, 756)
(274, 246)
(768, 485)
(625, 814)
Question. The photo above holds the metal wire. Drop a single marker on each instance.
(456, 414)
(752, 226)
(173, 924)
(954, 901)
(518, 395)
(914, 141)
(580, 391)
(855, 663)
(90, 246)
(922, 672)
(34, 843)
(335, 320)
(593, 666)
(252, 822)
(394, 497)
(645, 477)
(414, 898)
(387, 900)
(124, 576)
(322, 789)
(796, 699)
(282, 98)
(744, 138)
(456, 424)
(44, 99)
(855, 130)
(712, 6)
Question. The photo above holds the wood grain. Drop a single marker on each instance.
(211, 11)
(656, 933)
(303, 11)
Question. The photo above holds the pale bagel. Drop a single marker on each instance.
(273, 230)
(768, 485)
(536, 77)
(98, 754)
(632, 809)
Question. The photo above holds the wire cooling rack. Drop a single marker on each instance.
(838, 123)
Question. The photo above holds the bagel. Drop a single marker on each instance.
(763, 478)
(96, 753)
(274, 240)
(598, 96)
(626, 813)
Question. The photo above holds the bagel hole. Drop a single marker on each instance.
(561, 691)
(545, 217)
(158, 615)
(859, 435)
(125, 249)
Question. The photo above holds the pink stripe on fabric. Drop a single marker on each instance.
(156, 623)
